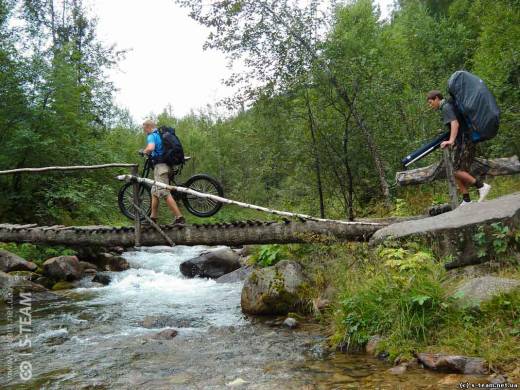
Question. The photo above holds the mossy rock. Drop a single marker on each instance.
(62, 286)
(274, 290)
(27, 275)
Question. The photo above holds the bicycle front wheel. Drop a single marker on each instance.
(202, 207)
(125, 199)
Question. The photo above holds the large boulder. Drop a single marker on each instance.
(475, 291)
(11, 262)
(110, 262)
(102, 260)
(211, 264)
(237, 275)
(453, 363)
(273, 290)
(13, 288)
(65, 268)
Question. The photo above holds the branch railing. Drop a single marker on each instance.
(133, 171)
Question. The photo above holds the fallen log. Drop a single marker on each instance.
(480, 167)
(270, 232)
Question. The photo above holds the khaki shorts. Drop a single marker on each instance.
(161, 174)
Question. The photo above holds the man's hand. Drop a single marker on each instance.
(446, 143)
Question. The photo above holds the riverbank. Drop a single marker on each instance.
(403, 297)
(115, 336)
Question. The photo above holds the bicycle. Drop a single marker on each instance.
(200, 207)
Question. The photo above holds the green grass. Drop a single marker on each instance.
(36, 253)
(403, 295)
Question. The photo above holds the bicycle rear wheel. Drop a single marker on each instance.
(202, 207)
(125, 199)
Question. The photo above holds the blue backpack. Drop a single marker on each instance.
(173, 153)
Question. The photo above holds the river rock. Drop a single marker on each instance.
(211, 264)
(110, 262)
(166, 334)
(273, 290)
(45, 281)
(398, 370)
(62, 268)
(11, 262)
(62, 286)
(102, 278)
(475, 291)
(373, 344)
(151, 322)
(452, 380)
(86, 265)
(237, 275)
(290, 323)
(453, 363)
(11, 288)
(27, 275)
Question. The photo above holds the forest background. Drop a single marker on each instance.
(332, 99)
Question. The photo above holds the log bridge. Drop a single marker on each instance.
(303, 228)
(235, 233)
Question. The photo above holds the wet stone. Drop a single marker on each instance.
(290, 323)
(166, 334)
(398, 370)
(104, 279)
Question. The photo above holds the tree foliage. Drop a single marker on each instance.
(331, 97)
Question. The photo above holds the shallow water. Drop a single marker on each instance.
(93, 338)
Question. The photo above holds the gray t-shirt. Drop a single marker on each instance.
(449, 114)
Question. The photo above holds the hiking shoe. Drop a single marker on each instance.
(179, 220)
(464, 203)
(483, 191)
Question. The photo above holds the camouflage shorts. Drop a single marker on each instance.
(464, 155)
(161, 174)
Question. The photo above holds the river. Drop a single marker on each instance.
(102, 337)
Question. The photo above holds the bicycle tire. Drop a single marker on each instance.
(125, 199)
(202, 207)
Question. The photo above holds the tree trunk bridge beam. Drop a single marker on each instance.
(236, 233)
(492, 167)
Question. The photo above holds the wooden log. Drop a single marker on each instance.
(490, 167)
(452, 187)
(154, 225)
(137, 204)
(64, 168)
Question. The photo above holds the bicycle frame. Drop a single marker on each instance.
(147, 167)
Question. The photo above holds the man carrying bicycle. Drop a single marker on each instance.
(161, 173)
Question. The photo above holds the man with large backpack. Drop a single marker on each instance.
(460, 137)
(156, 148)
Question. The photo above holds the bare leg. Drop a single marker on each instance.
(172, 205)
(464, 179)
(155, 206)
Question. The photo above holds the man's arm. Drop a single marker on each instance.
(454, 130)
(150, 145)
(149, 148)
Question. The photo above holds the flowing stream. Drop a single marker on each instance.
(103, 337)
